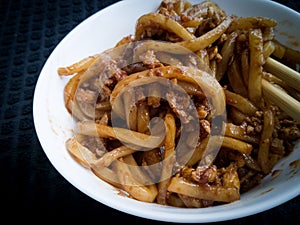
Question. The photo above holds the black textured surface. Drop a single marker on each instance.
(31, 189)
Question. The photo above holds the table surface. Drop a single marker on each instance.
(31, 188)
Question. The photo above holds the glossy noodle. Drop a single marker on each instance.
(175, 113)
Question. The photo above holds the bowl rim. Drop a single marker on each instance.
(128, 205)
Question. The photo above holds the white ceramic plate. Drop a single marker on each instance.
(102, 31)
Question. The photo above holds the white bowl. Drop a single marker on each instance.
(102, 31)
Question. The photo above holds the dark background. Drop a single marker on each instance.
(31, 188)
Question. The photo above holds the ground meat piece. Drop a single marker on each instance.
(85, 95)
(205, 129)
(290, 133)
(200, 175)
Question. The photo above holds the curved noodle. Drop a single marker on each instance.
(185, 118)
